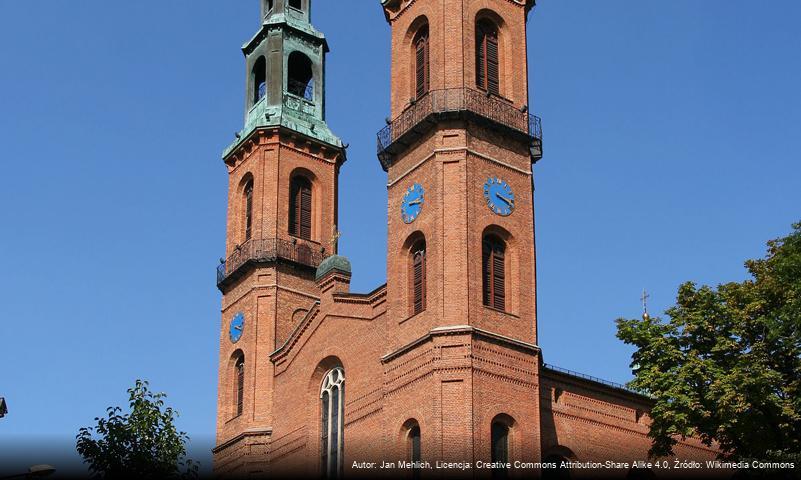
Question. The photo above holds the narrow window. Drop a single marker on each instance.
(414, 450)
(259, 80)
(500, 448)
(296, 4)
(240, 384)
(494, 272)
(332, 400)
(421, 62)
(487, 57)
(300, 208)
(248, 210)
(300, 76)
(418, 277)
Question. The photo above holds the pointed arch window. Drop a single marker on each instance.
(300, 207)
(421, 62)
(418, 277)
(487, 61)
(249, 210)
(239, 392)
(332, 411)
(494, 272)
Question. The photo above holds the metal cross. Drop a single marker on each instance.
(335, 235)
(644, 299)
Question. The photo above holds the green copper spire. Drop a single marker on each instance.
(286, 73)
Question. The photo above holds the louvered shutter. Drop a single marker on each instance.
(305, 211)
(493, 83)
(486, 273)
(240, 386)
(418, 282)
(498, 278)
(480, 60)
(421, 66)
(248, 211)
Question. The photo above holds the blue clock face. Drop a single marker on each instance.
(412, 203)
(237, 327)
(499, 196)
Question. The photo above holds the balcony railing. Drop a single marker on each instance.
(268, 250)
(455, 101)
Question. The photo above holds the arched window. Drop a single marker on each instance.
(239, 392)
(500, 447)
(300, 207)
(413, 439)
(332, 401)
(248, 210)
(418, 277)
(421, 62)
(487, 62)
(299, 77)
(259, 79)
(493, 269)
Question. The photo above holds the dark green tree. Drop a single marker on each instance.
(141, 444)
(726, 364)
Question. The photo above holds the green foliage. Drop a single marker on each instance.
(141, 444)
(726, 366)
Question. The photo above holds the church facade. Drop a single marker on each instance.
(442, 363)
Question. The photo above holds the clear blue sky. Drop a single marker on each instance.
(671, 153)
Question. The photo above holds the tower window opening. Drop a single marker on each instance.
(500, 448)
(300, 207)
(300, 76)
(332, 401)
(494, 272)
(414, 449)
(249, 210)
(418, 274)
(269, 5)
(421, 62)
(296, 4)
(487, 61)
(259, 80)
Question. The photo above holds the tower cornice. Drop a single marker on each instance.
(281, 21)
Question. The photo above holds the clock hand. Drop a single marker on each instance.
(238, 327)
(508, 201)
(415, 202)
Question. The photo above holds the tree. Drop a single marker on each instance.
(141, 444)
(726, 365)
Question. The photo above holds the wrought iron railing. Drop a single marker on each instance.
(593, 379)
(454, 100)
(269, 249)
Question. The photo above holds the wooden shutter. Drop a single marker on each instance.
(300, 208)
(498, 278)
(487, 58)
(419, 282)
(240, 386)
(248, 211)
(421, 65)
(486, 273)
(305, 211)
(493, 263)
(493, 83)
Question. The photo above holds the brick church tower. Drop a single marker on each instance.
(282, 209)
(461, 274)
